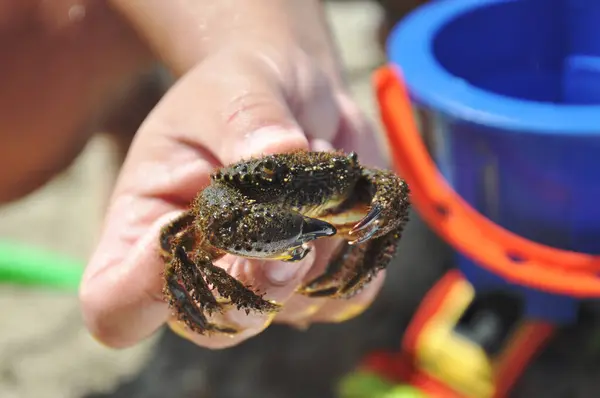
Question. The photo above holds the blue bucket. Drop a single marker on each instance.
(512, 91)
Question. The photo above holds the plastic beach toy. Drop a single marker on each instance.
(30, 266)
(512, 91)
(511, 87)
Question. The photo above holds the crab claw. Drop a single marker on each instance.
(371, 217)
(313, 228)
(366, 228)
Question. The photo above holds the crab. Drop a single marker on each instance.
(271, 207)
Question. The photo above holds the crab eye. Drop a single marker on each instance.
(269, 164)
(268, 169)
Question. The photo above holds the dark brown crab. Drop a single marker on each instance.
(270, 208)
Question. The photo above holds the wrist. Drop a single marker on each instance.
(183, 32)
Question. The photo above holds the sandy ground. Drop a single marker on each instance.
(44, 349)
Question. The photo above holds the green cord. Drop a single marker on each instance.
(31, 266)
(369, 385)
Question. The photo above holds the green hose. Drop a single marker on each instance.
(31, 266)
(369, 385)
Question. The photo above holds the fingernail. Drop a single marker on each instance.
(270, 140)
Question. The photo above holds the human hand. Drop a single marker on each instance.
(242, 100)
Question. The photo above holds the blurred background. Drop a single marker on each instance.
(45, 351)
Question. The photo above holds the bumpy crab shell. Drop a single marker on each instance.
(271, 208)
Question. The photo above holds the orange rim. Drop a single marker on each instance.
(530, 340)
(496, 249)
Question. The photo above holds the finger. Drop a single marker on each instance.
(299, 308)
(122, 305)
(356, 133)
(244, 109)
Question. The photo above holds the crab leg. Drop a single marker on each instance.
(189, 313)
(345, 261)
(172, 240)
(378, 254)
(389, 205)
(372, 241)
(230, 288)
(172, 230)
(190, 295)
(353, 267)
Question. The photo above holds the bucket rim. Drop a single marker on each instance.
(409, 47)
(515, 259)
